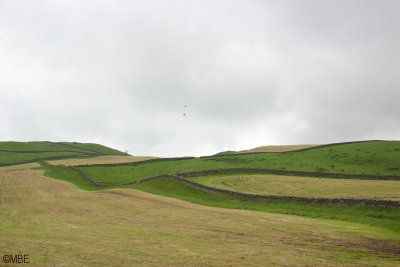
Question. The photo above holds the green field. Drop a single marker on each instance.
(24, 152)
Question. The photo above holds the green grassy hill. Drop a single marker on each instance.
(24, 152)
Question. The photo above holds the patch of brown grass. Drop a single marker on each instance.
(281, 185)
(277, 148)
(99, 160)
(20, 167)
(60, 225)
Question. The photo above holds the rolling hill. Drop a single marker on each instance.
(12, 153)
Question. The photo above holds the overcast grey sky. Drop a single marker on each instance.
(251, 72)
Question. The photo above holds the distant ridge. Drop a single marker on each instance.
(278, 148)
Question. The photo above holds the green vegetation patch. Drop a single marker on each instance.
(68, 174)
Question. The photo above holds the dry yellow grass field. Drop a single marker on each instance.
(99, 160)
(19, 167)
(277, 148)
(281, 185)
(59, 225)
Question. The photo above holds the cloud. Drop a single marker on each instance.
(245, 73)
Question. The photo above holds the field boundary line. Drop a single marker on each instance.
(340, 201)
(228, 171)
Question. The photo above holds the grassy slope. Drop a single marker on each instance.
(373, 158)
(67, 174)
(58, 225)
(10, 158)
(280, 185)
(109, 159)
(387, 218)
(95, 148)
(277, 149)
(23, 152)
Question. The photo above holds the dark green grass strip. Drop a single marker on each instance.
(386, 218)
(68, 174)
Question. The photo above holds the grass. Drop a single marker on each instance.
(277, 149)
(387, 218)
(58, 225)
(12, 158)
(95, 148)
(377, 158)
(67, 174)
(280, 185)
(24, 152)
(108, 159)
(371, 155)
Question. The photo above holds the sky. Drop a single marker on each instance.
(186, 77)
